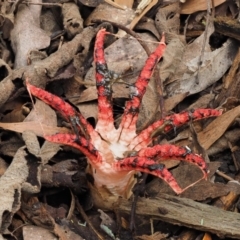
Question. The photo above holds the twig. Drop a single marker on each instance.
(224, 175)
(233, 156)
(42, 4)
(138, 189)
(86, 219)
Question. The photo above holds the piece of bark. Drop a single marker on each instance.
(227, 26)
(186, 212)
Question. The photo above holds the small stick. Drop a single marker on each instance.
(137, 190)
(42, 4)
(225, 176)
(233, 156)
(86, 219)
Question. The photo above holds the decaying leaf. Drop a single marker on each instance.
(107, 12)
(72, 20)
(217, 128)
(36, 127)
(37, 233)
(10, 143)
(6, 19)
(222, 144)
(143, 7)
(42, 113)
(31, 142)
(12, 183)
(155, 236)
(214, 64)
(25, 30)
(191, 6)
(47, 151)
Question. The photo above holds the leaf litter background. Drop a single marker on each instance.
(43, 186)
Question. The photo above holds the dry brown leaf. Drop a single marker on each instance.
(107, 12)
(27, 35)
(10, 145)
(192, 6)
(48, 150)
(167, 21)
(190, 78)
(171, 59)
(155, 236)
(217, 128)
(42, 113)
(127, 3)
(16, 112)
(89, 110)
(37, 233)
(115, 4)
(72, 20)
(6, 89)
(140, 12)
(36, 127)
(12, 183)
(231, 136)
(172, 102)
(202, 102)
(49, 23)
(6, 19)
(90, 3)
(148, 25)
(31, 142)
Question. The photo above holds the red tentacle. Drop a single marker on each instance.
(167, 151)
(131, 112)
(103, 82)
(79, 143)
(174, 120)
(150, 166)
(65, 109)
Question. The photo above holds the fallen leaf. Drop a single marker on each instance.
(31, 142)
(42, 113)
(212, 69)
(12, 183)
(191, 6)
(72, 20)
(36, 127)
(37, 233)
(155, 236)
(107, 12)
(27, 35)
